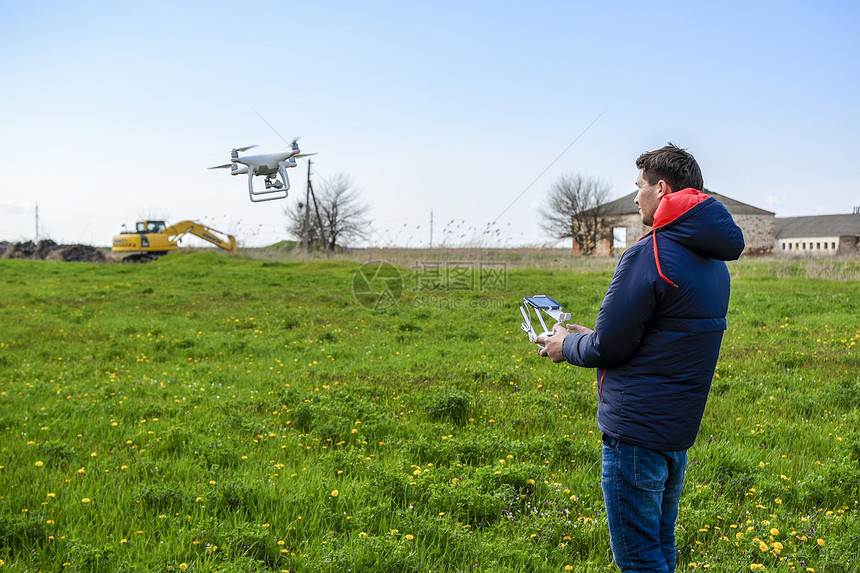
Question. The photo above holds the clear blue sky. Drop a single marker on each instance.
(111, 111)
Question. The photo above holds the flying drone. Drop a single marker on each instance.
(272, 166)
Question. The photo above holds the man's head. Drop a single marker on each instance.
(661, 172)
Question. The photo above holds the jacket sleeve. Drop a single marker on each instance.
(625, 312)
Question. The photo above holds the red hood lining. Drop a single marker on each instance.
(676, 204)
(670, 208)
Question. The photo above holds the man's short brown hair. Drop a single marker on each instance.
(673, 165)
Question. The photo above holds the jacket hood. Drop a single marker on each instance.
(700, 223)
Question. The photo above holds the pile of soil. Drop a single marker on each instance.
(48, 250)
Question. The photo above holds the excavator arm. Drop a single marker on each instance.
(217, 238)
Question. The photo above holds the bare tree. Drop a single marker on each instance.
(334, 216)
(574, 210)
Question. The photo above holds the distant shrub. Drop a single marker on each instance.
(57, 452)
(453, 405)
(221, 454)
(838, 480)
(160, 498)
(303, 416)
(842, 393)
(232, 496)
(85, 558)
(21, 533)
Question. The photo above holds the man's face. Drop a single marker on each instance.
(648, 198)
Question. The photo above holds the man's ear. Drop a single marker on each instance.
(663, 189)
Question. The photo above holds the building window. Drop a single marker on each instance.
(832, 245)
(804, 246)
(817, 246)
(619, 237)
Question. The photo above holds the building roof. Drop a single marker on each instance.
(626, 206)
(818, 226)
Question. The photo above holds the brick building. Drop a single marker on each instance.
(623, 225)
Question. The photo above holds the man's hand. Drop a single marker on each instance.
(553, 344)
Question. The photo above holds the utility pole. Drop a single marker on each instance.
(37, 222)
(431, 228)
(323, 239)
(306, 229)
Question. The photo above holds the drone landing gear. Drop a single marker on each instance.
(276, 188)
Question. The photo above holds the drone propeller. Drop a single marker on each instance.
(243, 149)
(226, 165)
(305, 154)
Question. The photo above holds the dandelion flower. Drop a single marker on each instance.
(334, 493)
(409, 537)
(39, 464)
(820, 542)
(85, 500)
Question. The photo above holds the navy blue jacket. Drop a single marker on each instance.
(658, 333)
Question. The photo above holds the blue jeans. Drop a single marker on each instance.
(642, 490)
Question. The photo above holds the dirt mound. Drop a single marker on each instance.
(48, 250)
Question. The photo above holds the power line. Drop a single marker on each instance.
(553, 162)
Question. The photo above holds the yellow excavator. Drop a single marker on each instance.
(152, 239)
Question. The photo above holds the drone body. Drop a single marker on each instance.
(272, 166)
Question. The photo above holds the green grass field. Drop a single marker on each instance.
(208, 413)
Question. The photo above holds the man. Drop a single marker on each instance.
(655, 346)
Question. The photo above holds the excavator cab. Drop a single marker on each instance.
(150, 226)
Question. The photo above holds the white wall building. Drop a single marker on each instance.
(820, 235)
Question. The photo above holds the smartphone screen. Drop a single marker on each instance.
(542, 302)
